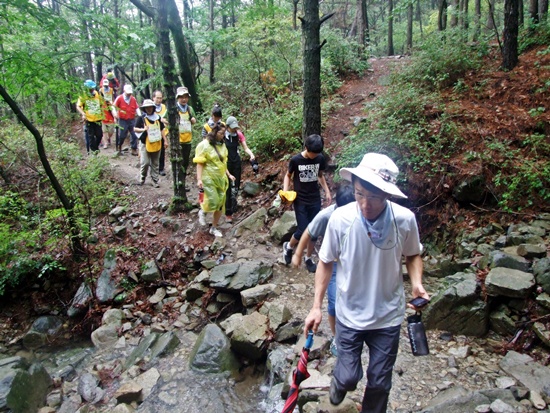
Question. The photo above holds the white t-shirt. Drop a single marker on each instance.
(370, 281)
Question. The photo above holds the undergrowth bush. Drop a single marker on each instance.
(441, 60)
(34, 233)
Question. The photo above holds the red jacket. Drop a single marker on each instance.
(126, 111)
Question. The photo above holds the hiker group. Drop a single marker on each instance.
(108, 116)
(365, 235)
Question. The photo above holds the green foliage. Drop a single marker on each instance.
(34, 227)
(532, 35)
(441, 60)
(344, 55)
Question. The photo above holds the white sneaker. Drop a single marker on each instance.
(202, 218)
(216, 232)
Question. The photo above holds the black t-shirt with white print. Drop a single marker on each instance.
(306, 177)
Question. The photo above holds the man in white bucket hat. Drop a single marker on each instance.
(368, 238)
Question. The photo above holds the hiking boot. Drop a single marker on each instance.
(134, 152)
(335, 395)
(156, 185)
(162, 173)
(216, 232)
(287, 253)
(228, 219)
(202, 218)
(333, 347)
(141, 181)
(310, 265)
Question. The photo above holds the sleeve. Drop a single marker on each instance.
(200, 153)
(241, 136)
(79, 103)
(323, 163)
(117, 100)
(411, 242)
(329, 251)
(292, 166)
(139, 122)
(191, 111)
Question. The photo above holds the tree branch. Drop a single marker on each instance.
(325, 18)
(147, 10)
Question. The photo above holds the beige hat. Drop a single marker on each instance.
(377, 170)
(147, 103)
(182, 91)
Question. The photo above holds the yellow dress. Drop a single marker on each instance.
(214, 178)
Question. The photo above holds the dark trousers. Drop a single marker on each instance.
(185, 153)
(235, 169)
(127, 126)
(93, 134)
(304, 215)
(162, 156)
(383, 345)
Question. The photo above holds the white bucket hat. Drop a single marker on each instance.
(377, 170)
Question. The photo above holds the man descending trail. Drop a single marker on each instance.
(368, 239)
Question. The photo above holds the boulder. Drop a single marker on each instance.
(107, 287)
(251, 224)
(23, 389)
(80, 301)
(259, 293)
(278, 314)
(509, 283)
(212, 352)
(502, 259)
(250, 337)
(541, 270)
(150, 272)
(457, 308)
(241, 275)
(527, 371)
(283, 228)
(42, 331)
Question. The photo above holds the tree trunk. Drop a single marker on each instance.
(183, 53)
(419, 17)
(521, 14)
(170, 84)
(187, 15)
(454, 13)
(294, 14)
(362, 22)
(442, 16)
(543, 10)
(67, 203)
(212, 52)
(85, 32)
(391, 51)
(311, 25)
(534, 11)
(410, 13)
(477, 20)
(510, 36)
(464, 16)
(183, 47)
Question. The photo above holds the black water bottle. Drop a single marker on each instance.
(417, 335)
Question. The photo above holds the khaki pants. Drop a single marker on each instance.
(149, 159)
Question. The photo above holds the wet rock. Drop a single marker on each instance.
(283, 227)
(23, 389)
(515, 262)
(105, 336)
(150, 272)
(250, 337)
(259, 293)
(457, 307)
(80, 301)
(290, 331)
(526, 371)
(251, 188)
(212, 352)
(251, 224)
(42, 331)
(532, 251)
(117, 212)
(106, 288)
(278, 314)
(509, 282)
(129, 392)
